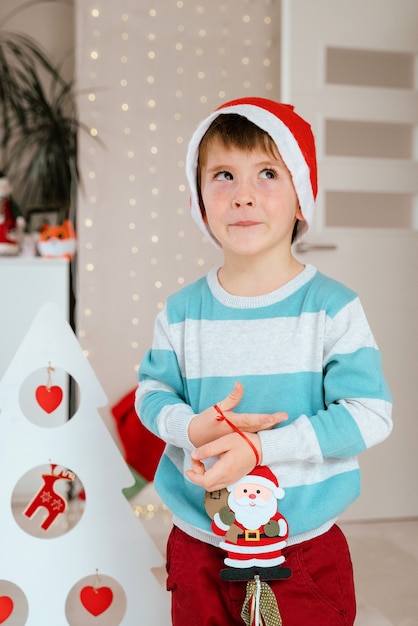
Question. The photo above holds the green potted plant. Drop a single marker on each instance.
(39, 128)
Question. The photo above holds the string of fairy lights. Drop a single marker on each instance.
(150, 72)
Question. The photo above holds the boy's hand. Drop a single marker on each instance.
(236, 459)
(205, 428)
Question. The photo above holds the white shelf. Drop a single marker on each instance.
(26, 284)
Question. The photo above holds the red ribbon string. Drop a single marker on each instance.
(221, 417)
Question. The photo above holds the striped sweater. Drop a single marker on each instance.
(305, 349)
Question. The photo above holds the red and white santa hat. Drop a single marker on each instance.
(294, 140)
(263, 476)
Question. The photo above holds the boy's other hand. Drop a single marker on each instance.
(235, 460)
(206, 427)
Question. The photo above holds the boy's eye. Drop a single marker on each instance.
(268, 173)
(223, 176)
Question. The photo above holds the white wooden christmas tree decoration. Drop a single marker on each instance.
(89, 564)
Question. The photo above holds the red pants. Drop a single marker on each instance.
(320, 591)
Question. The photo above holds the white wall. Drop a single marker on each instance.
(51, 24)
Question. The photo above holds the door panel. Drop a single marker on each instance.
(380, 260)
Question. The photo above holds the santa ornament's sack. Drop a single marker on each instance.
(253, 533)
(260, 605)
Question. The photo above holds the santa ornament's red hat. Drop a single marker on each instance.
(263, 476)
(294, 140)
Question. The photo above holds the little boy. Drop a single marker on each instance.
(284, 353)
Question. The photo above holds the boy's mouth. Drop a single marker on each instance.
(245, 223)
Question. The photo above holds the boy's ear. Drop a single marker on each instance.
(299, 214)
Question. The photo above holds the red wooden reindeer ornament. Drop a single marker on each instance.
(48, 498)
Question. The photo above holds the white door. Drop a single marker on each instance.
(350, 68)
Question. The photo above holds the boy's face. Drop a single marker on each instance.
(249, 198)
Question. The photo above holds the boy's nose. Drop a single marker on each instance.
(243, 195)
(239, 202)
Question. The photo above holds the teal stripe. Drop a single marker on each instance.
(358, 375)
(196, 302)
(309, 506)
(182, 497)
(262, 394)
(335, 426)
(161, 365)
(305, 507)
(327, 294)
(152, 405)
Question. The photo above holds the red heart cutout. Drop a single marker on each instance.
(96, 600)
(6, 608)
(49, 398)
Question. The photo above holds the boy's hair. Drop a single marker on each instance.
(235, 131)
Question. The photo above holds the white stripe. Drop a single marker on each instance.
(372, 430)
(295, 474)
(279, 346)
(352, 318)
(292, 474)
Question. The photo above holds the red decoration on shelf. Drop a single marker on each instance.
(6, 608)
(96, 600)
(49, 398)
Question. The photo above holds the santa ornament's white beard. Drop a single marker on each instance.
(252, 517)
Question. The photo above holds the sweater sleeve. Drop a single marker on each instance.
(357, 413)
(160, 400)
